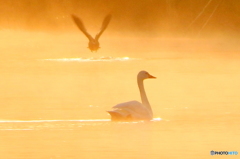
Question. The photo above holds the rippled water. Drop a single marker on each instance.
(54, 107)
(93, 59)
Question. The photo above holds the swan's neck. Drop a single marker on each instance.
(144, 98)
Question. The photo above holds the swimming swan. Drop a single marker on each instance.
(134, 110)
(93, 44)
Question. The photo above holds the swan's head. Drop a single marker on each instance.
(144, 75)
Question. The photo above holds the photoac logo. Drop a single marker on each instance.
(223, 152)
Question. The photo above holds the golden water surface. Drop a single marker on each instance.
(54, 96)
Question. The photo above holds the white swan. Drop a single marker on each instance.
(134, 110)
(93, 44)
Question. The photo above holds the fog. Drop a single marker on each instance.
(53, 86)
(155, 18)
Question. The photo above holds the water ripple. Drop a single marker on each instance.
(93, 59)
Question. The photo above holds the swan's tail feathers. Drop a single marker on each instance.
(115, 116)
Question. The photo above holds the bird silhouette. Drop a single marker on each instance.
(93, 43)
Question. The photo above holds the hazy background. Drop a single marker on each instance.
(47, 101)
(157, 18)
(166, 28)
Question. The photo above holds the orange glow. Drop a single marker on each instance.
(55, 92)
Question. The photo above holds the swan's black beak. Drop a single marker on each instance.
(150, 76)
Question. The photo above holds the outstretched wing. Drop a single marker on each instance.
(105, 23)
(80, 25)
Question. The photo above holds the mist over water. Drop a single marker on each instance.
(150, 18)
(55, 91)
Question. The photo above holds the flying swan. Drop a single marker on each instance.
(93, 43)
(134, 110)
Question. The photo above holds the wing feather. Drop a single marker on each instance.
(105, 23)
(81, 26)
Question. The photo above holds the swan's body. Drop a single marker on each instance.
(134, 110)
(93, 44)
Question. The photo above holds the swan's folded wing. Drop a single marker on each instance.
(105, 23)
(80, 25)
(131, 104)
(136, 109)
